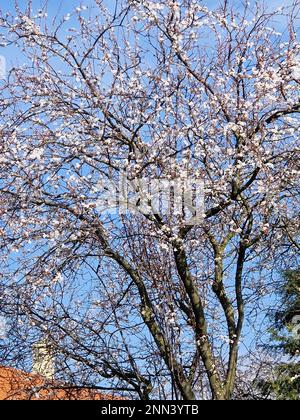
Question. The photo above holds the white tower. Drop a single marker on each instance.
(43, 362)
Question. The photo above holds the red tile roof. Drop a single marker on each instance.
(18, 385)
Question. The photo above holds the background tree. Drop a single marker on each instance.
(145, 302)
(286, 383)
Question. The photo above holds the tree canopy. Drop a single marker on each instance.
(149, 301)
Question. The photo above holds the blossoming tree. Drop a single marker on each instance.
(146, 301)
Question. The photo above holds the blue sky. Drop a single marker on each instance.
(64, 6)
(58, 8)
